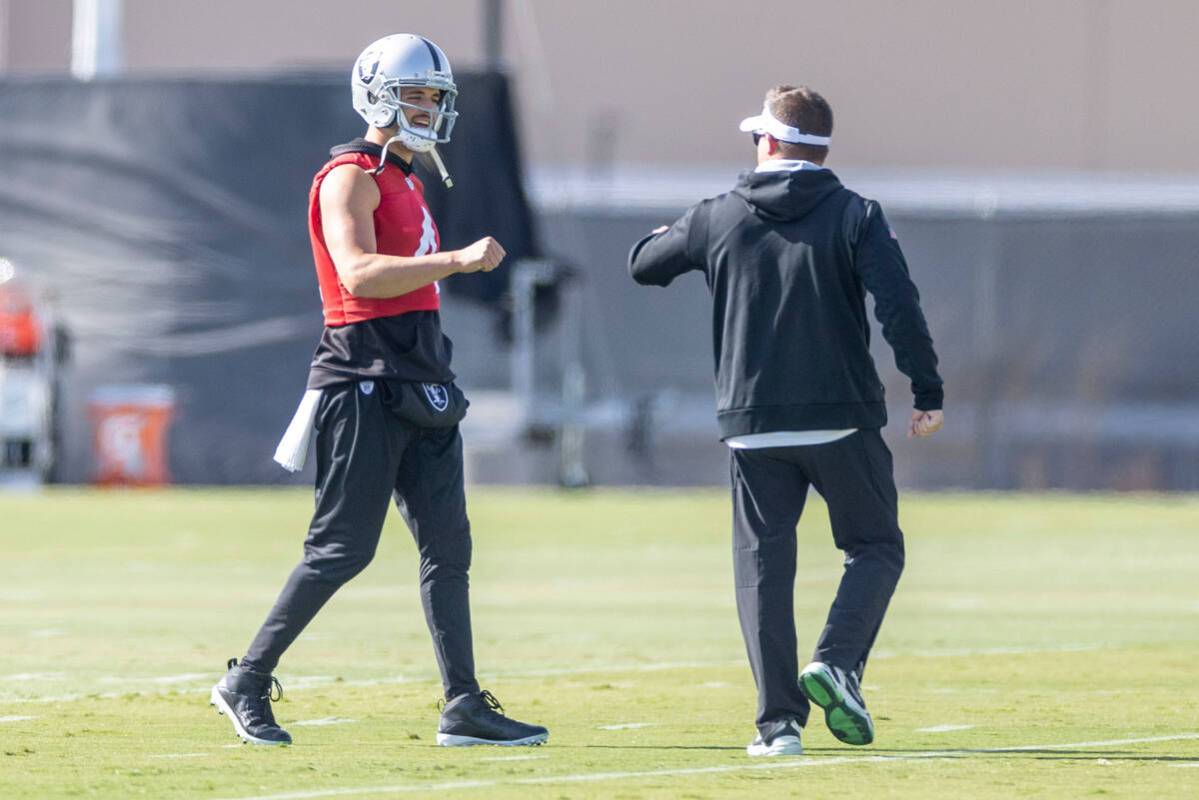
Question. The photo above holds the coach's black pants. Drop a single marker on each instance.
(365, 454)
(770, 486)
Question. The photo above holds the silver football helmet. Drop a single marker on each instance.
(388, 65)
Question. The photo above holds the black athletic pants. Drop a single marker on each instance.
(770, 485)
(365, 454)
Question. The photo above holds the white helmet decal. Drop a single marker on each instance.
(387, 66)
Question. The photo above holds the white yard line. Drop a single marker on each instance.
(323, 721)
(944, 728)
(46, 633)
(800, 763)
(954, 652)
(15, 718)
(303, 682)
(181, 755)
(513, 758)
(187, 677)
(624, 726)
(1108, 743)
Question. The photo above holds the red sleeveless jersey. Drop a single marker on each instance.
(403, 227)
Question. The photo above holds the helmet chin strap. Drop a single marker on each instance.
(437, 162)
(432, 153)
(383, 154)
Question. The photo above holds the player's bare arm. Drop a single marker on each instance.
(349, 197)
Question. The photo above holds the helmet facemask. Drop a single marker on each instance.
(421, 139)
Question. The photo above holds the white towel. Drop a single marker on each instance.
(292, 451)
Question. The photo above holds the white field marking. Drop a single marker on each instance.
(46, 633)
(324, 721)
(33, 596)
(944, 728)
(513, 758)
(1185, 766)
(187, 677)
(181, 755)
(990, 651)
(323, 681)
(27, 677)
(799, 763)
(317, 681)
(231, 746)
(164, 680)
(1109, 743)
(715, 685)
(15, 718)
(624, 726)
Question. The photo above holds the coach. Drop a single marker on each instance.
(788, 256)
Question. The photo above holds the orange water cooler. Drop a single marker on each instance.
(131, 425)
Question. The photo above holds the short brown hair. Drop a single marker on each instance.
(803, 108)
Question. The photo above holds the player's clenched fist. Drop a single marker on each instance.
(482, 256)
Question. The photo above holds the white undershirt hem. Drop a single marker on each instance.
(755, 441)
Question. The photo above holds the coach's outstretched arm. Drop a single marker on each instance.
(668, 252)
(879, 262)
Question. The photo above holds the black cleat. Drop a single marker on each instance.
(471, 719)
(840, 695)
(245, 698)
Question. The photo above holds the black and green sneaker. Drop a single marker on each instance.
(840, 695)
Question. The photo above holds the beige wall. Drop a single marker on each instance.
(35, 34)
(1069, 84)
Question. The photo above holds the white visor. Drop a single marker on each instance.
(766, 123)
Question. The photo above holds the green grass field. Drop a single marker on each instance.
(1037, 647)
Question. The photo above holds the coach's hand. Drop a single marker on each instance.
(925, 423)
(482, 256)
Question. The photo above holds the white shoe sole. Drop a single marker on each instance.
(781, 746)
(453, 740)
(223, 709)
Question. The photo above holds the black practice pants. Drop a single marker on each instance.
(365, 454)
(770, 485)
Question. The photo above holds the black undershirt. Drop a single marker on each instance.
(406, 347)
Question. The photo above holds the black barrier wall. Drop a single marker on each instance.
(166, 218)
(1069, 345)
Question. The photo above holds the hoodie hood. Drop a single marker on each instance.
(785, 196)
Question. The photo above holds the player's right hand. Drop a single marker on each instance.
(482, 256)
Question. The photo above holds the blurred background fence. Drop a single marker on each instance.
(1044, 192)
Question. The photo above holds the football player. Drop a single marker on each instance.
(381, 396)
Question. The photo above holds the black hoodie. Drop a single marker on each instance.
(789, 257)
